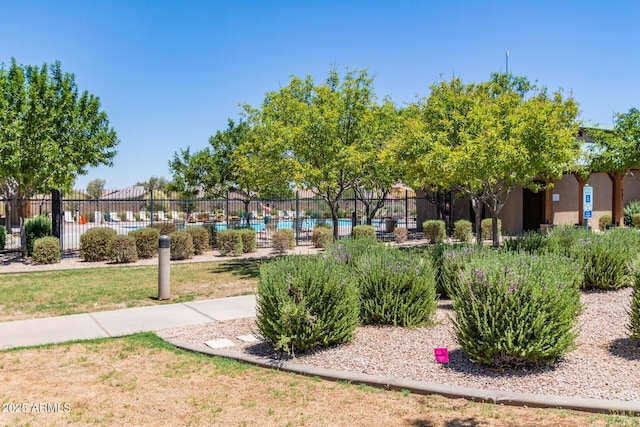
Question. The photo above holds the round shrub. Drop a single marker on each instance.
(147, 241)
(434, 230)
(396, 288)
(304, 303)
(463, 230)
(346, 250)
(249, 240)
(200, 237)
(567, 240)
(632, 208)
(122, 249)
(181, 245)
(36, 227)
(608, 259)
(448, 262)
(3, 236)
(514, 309)
(604, 221)
(400, 234)
(46, 250)
(94, 244)
(283, 240)
(322, 235)
(211, 228)
(165, 228)
(364, 231)
(229, 242)
(486, 225)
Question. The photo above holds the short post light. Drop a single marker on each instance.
(164, 256)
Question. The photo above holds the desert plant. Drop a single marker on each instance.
(147, 240)
(448, 262)
(281, 241)
(322, 235)
(304, 303)
(608, 259)
(434, 230)
(634, 311)
(364, 231)
(211, 228)
(635, 220)
(36, 227)
(632, 208)
(94, 244)
(181, 246)
(249, 240)
(46, 250)
(200, 237)
(122, 249)
(229, 242)
(463, 230)
(567, 240)
(400, 234)
(165, 228)
(396, 288)
(347, 250)
(486, 226)
(529, 241)
(604, 221)
(515, 309)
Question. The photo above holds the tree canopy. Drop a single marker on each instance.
(484, 139)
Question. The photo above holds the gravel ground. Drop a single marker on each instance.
(606, 364)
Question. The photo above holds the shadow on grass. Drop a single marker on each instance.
(243, 268)
(626, 348)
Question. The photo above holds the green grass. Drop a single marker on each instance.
(55, 293)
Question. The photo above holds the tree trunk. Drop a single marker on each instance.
(617, 195)
(494, 230)
(246, 212)
(477, 208)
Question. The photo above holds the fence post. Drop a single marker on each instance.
(406, 209)
(227, 210)
(151, 205)
(297, 221)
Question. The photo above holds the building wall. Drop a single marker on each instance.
(511, 213)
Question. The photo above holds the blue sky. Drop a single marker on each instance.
(170, 74)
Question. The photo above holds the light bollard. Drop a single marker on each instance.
(164, 256)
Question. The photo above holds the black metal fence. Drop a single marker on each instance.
(134, 208)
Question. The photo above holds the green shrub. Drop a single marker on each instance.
(347, 250)
(249, 240)
(634, 312)
(448, 262)
(487, 228)
(463, 230)
(94, 244)
(400, 234)
(322, 235)
(283, 240)
(434, 230)
(608, 259)
(165, 228)
(46, 250)
(3, 236)
(200, 237)
(635, 220)
(632, 208)
(567, 240)
(211, 228)
(604, 221)
(181, 245)
(530, 241)
(229, 242)
(364, 231)
(515, 309)
(303, 303)
(122, 249)
(36, 227)
(147, 241)
(396, 288)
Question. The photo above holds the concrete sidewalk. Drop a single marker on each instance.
(116, 323)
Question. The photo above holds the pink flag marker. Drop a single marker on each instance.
(442, 355)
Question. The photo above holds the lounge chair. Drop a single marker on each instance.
(175, 216)
(113, 216)
(68, 216)
(129, 216)
(143, 216)
(161, 216)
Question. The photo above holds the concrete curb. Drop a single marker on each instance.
(426, 388)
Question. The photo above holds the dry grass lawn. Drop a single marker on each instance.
(140, 380)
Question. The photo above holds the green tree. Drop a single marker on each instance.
(483, 140)
(616, 152)
(49, 132)
(95, 188)
(323, 131)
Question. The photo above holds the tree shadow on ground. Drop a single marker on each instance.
(457, 422)
(459, 361)
(626, 348)
(243, 268)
